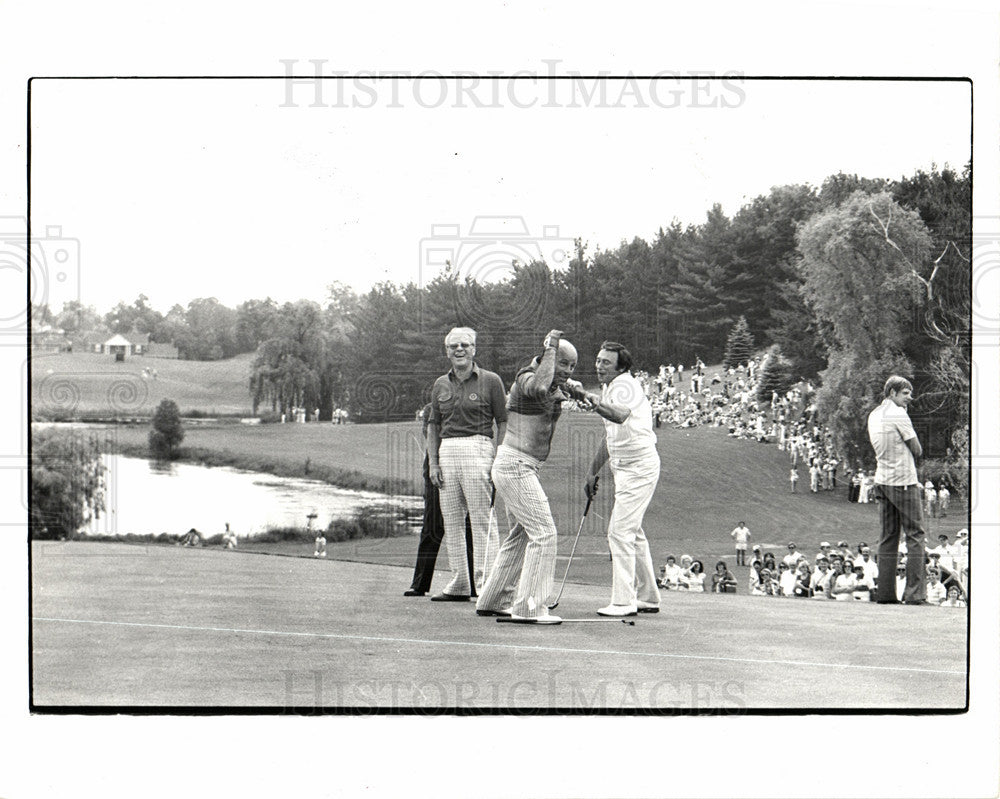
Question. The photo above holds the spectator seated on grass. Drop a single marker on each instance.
(900, 579)
(755, 569)
(767, 586)
(936, 592)
(786, 580)
(192, 538)
(695, 577)
(864, 584)
(820, 580)
(671, 574)
(320, 546)
(842, 588)
(769, 562)
(229, 538)
(803, 581)
(723, 581)
(954, 599)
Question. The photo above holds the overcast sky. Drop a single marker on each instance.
(247, 189)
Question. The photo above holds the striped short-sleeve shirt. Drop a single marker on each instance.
(889, 428)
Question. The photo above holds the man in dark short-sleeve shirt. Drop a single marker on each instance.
(466, 403)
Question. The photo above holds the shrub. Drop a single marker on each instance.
(167, 432)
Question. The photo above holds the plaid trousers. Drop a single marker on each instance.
(465, 468)
(524, 570)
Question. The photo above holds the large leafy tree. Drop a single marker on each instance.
(868, 271)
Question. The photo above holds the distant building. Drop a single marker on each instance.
(120, 346)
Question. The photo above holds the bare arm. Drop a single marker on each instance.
(538, 383)
(433, 443)
(914, 445)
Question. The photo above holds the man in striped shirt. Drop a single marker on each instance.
(896, 445)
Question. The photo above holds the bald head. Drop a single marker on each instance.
(567, 351)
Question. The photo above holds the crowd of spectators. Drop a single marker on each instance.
(837, 573)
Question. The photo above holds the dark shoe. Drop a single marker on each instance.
(888, 602)
(413, 592)
(483, 612)
(918, 602)
(442, 597)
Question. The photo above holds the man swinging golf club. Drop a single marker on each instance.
(524, 570)
(630, 446)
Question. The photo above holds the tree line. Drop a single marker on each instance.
(846, 283)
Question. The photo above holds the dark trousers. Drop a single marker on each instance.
(431, 536)
(900, 510)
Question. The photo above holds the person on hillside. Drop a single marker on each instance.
(229, 538)
(944, 500)
(896, 446)
(432, 529)
(930, 500)
(741, 535)
(630, 447)
(466, 404)
(523, 573)
(793, 478)
(319, 545)
(814, 473)
(755, 569)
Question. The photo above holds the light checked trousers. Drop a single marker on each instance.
(632, 575)
(465, 468)
(524, 571)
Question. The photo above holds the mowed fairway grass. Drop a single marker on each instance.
(118, 626)
(87, 384)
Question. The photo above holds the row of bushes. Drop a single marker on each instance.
(366, 522)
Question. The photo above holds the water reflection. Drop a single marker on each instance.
(149, 497)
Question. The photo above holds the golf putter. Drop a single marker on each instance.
(576, 540)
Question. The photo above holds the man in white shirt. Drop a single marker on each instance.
(896, 446)
(944, 499)
(945, 552)
(630, 447)
(741, 534)
(869, 566)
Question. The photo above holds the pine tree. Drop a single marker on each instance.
(739, 345)
(776, 376)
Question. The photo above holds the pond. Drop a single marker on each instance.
(146, 497)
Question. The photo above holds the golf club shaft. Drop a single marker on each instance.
(572, 552)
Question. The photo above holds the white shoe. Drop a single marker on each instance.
(646, 607)
(618, 610)
(545, 618)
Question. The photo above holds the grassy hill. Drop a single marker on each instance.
(67, 385)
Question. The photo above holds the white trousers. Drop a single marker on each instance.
(632, 575)
(465, 468)
(524, 570)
